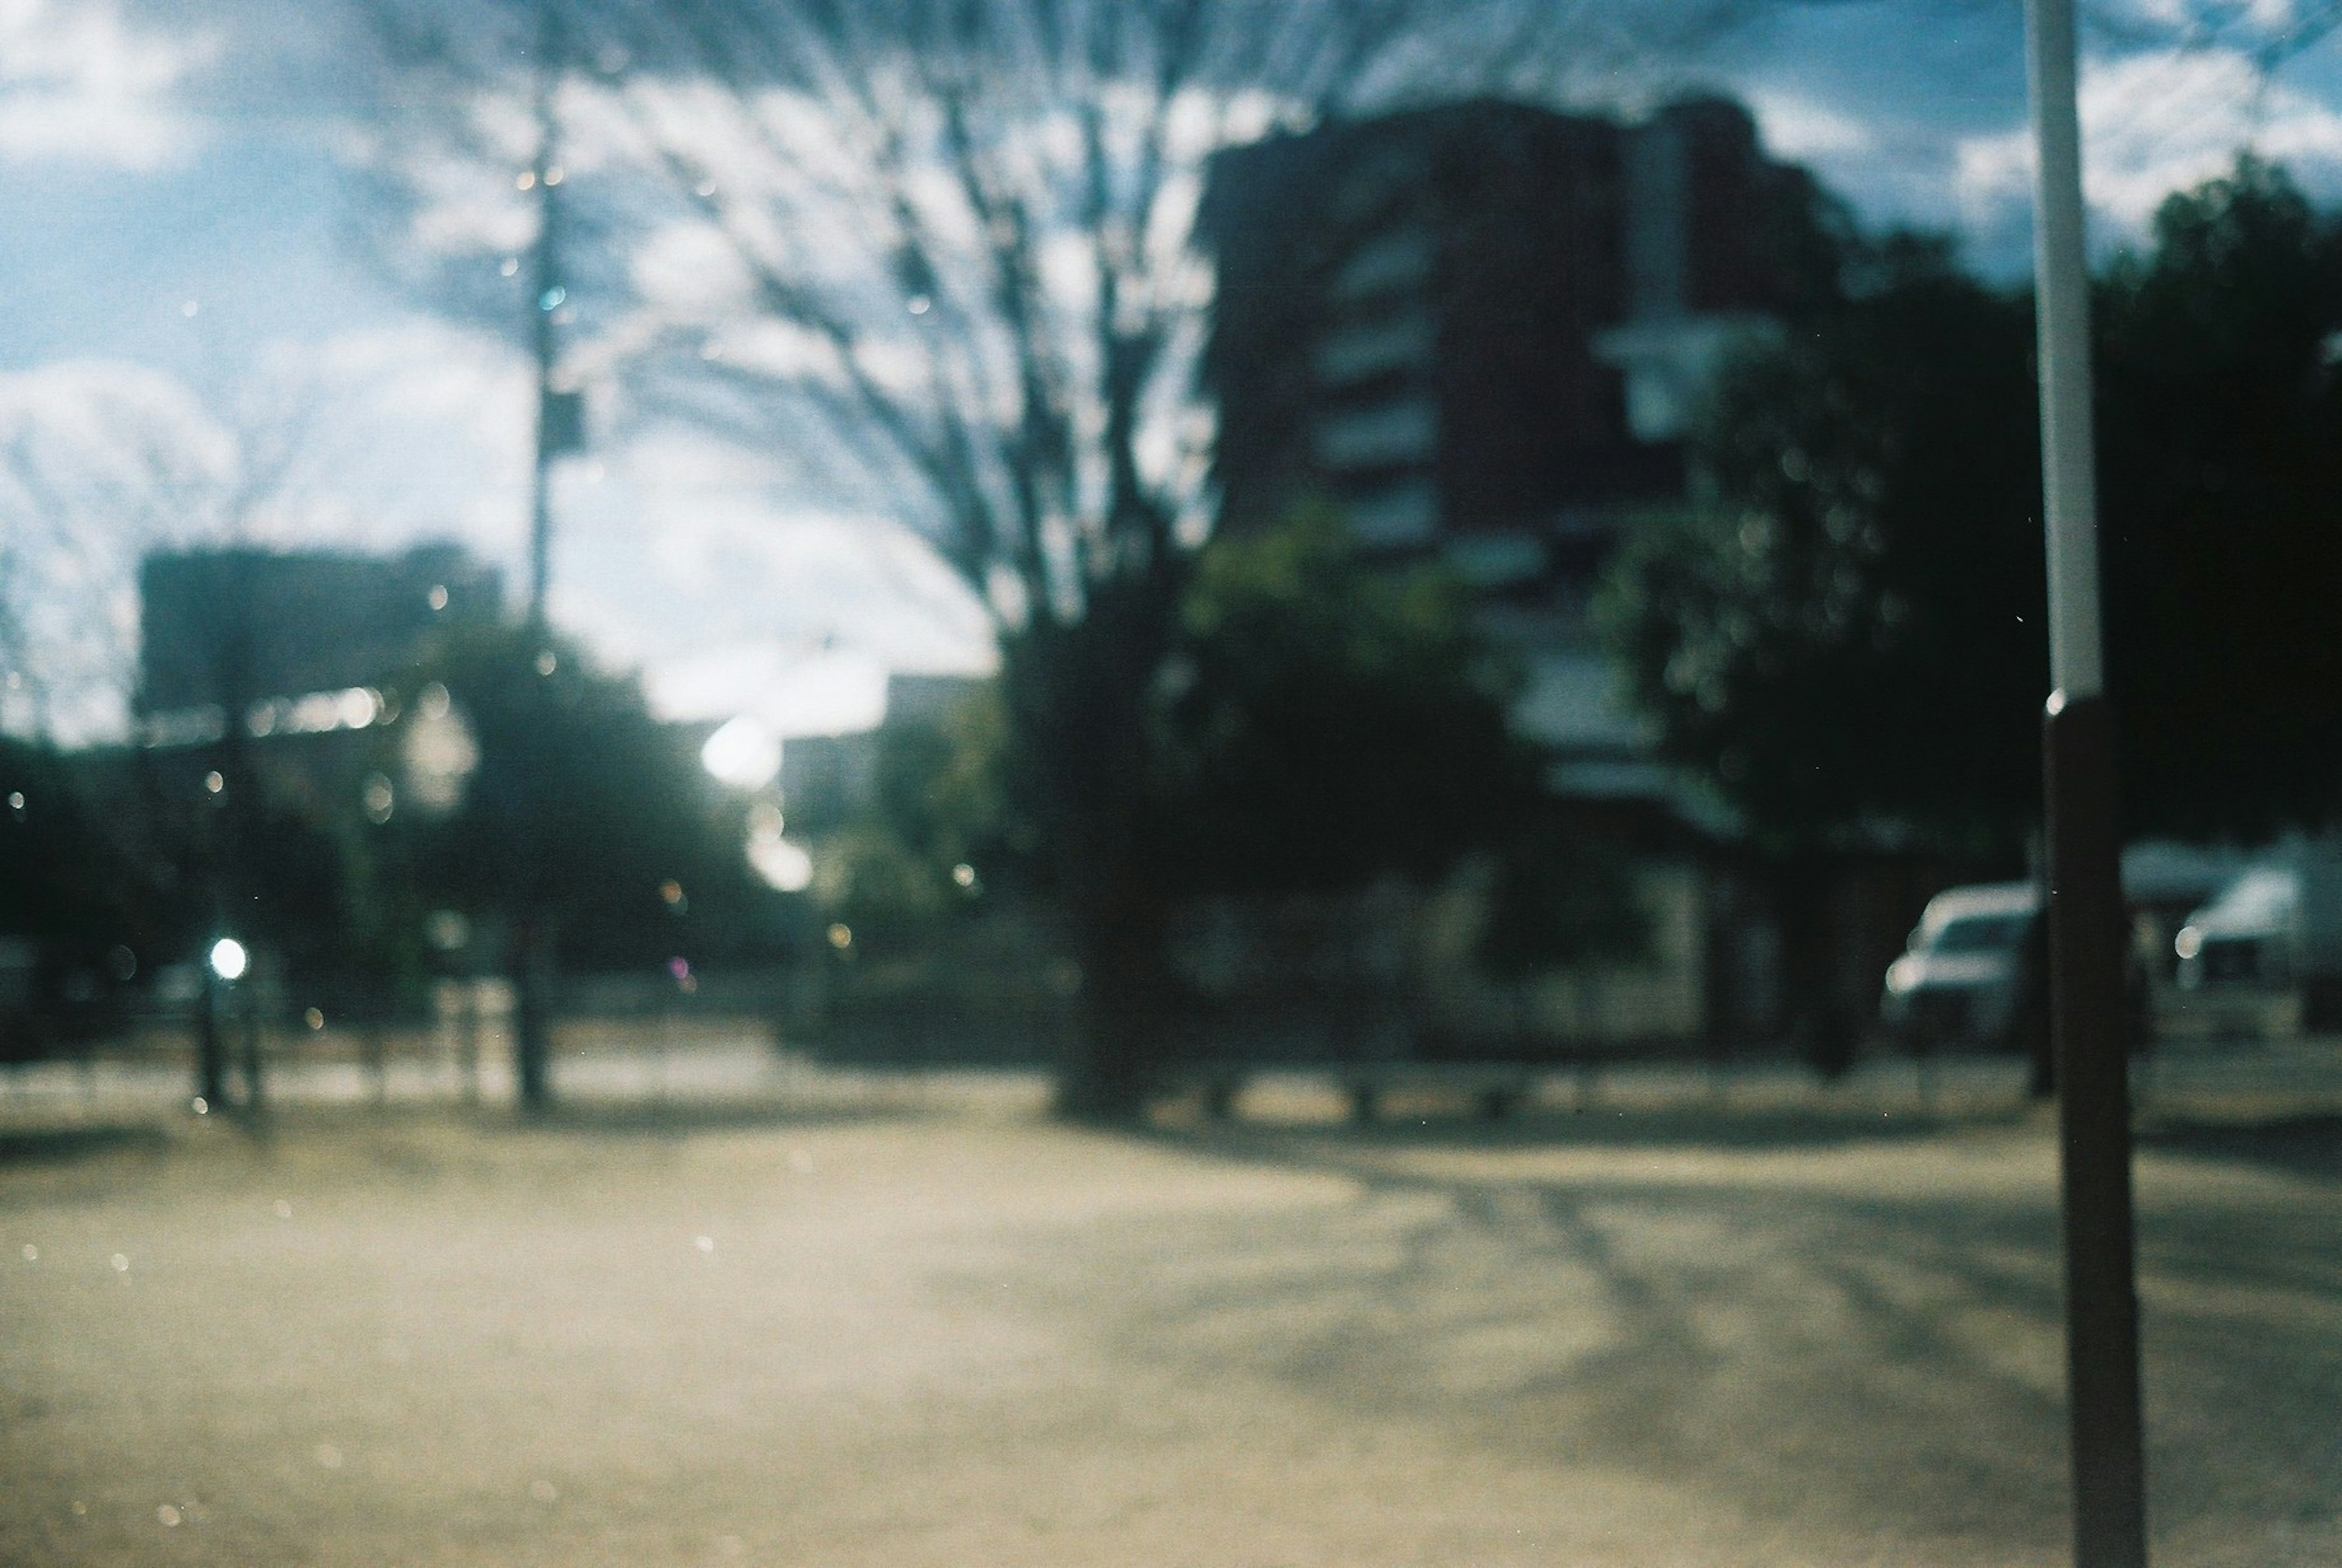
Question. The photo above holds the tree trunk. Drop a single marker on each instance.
(248, 1036)
(1116, 1055)
(211, 1046)
(532, 1017)
(1077, 697)
(1825, 1034)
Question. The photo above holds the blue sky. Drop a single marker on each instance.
(184, 260)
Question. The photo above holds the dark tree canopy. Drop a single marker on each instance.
(1846, 628)
(64, 879)
(582, 801)
(2221, 484)
(1319, 721)
(1326, 721)
(1846, 631)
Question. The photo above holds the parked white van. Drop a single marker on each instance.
(1972, 975)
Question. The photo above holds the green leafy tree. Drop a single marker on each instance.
(1845, 634)
(909, 860)
(1316, 723)
(2220, 480)
(1313, 723)
(61, 878)
(1330, 722)
(73, 889)
(583, 811)
(1323, 722)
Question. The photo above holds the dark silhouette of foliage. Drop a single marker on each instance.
(582, 801)
(2220, 480)
(63, 878)
(1325, 721)
(1313, 723)
(1845, 629)
(1845, 632)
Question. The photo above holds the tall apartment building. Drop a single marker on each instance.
(1480, 330)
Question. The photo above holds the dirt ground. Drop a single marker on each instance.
(929, 1334)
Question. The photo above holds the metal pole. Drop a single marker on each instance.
(211, 1046)
(2086, 909)
(546, 298)
(532, 1041)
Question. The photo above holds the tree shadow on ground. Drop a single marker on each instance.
(684, 1118)
(1813, 1354)
(2305, 1145)
(1714, 1127)
(60, 1145)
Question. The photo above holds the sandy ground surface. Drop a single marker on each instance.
(944, 1332)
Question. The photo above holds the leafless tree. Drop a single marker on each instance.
(2270, 36)
(92, 475)
(938, 256)
(99, 466)
(955, 272)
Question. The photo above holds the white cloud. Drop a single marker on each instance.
(2156, 124)
(77, 84)
(381, 436)
(740, 564)
(108, 447)
(691, 271)
(780, 349)
(1794, 127)
(421, 370)
(369, 440)
(2189, 16)
(682, 460)
(786, 691)
(468, 208)
(692, 562)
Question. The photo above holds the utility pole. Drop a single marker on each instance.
(231, 794)
(558, 430)
(2089, 1017)
(555, 411)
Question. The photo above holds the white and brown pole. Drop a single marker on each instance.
(2086, 907)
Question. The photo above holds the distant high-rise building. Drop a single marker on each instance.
(239, 626)
(1483, 326)
(1480, 332)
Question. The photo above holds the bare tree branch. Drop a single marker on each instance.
(977, 213)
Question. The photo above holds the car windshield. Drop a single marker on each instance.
(1979, 934)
